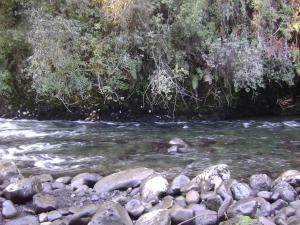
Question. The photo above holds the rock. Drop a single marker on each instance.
(293, 220)
(44, 178)
(192, 197)
(43, 217)
(8, 209)
(212, 201)
(89, 179)
(156, 217)
(265, 194)
(279, 204)
(111, 213)
(179, 214)
(167, 202)
(212, 177)
(44, 202)
(295, 204)
(180, 200)
(64, 180)
(196, 207)
(239, 220)
(260, 182)
(291, 176)
(190, 186)
(264, 208)
(122, 180)
(23, 190)
(245, 207)
(284, 191)
(82, 212)
(206, 217)
(135, 208)
(54, 215)
(178, 142)
(46, 187)
(8, 169)
(173, 149)
(240, 191)
(178, 182)
(153, 188)
(25, 220)
(58, 185)
(288, 211)
(265, 221)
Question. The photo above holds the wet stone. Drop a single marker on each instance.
(260, 182)
(206, 217)
(135, 208)
(241, 191)
(44, 202)
(179, 214)
(178, 182)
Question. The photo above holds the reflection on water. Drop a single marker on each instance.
(247, 146)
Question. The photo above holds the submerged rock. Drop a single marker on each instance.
(153, 188)
(156, 217)
(123, 180)
(23, 190)
(111, 213)
(212, 177)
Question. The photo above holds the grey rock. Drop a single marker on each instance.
(178, 142)
(135, 208)
(241, 191)
(197, 207)
(43, 217)
(206, 217)
(82, 212)
(212, 201)
(25, 220)
(285, 191)
(260, 182)
(264, 207)
(288, 211)
(44, 202)
(179, 214)
(167, 202)
(192, 197)
(23, 189)
(190, 186)
(245, 207)
(265, 194)
(153, 188)
(177, 183)
(54, 215)
(180, 200)
(8, 169)
(156, 217)
(88, 179)
(111, 213)
(291, 176)
(122, 180)
(265, 221)
(58, 185)
(64, 180)
(212, 177)
(46, 187)
(280, 220)
(293, 220)
(279, 204)
(8, 209)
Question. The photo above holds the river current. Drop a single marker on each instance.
(64, 147)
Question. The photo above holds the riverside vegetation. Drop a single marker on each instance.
(140, 56)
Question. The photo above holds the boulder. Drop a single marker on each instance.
(291, 176)
(89, 179)
(212, 201)
(153, 188)
(196, 207)
(240, 191)
(8, 169)
(180, 214)
(156, 217)
(212, 177)
(111, 213)
(82, 212)
(284, 191)
(122, 180)
(135, 208)
(206, 217)
(264, 208)
(8, 209)
(279, 204)
(177, 183)
(260, 182)
(23, 189)
(245, 207)
(25, 220)
(44, 202)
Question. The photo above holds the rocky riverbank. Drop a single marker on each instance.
(141, 196)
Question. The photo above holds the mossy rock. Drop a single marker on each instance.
(241, 220)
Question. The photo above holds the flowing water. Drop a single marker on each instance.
(64, 147)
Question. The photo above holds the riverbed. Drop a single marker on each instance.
(69, 147)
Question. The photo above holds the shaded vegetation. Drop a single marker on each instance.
(140, 55)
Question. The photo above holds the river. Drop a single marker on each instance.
(68, 147)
